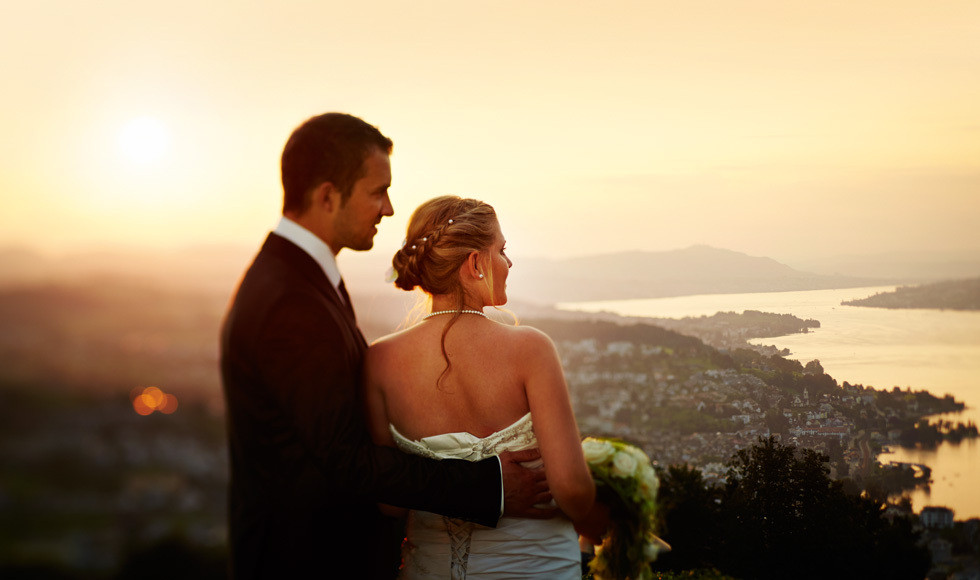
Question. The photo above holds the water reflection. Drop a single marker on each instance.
(955, 473)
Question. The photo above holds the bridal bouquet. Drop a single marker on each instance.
(627, 483)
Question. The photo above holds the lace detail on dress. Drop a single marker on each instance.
(460, 535)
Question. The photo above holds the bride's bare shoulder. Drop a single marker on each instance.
(529, 339)
(394, 338)
(389, 345)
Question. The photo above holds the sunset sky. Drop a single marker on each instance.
(785, 129)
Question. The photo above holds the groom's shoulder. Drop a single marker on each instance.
(272, 268)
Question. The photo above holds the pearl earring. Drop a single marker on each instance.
(481, 275)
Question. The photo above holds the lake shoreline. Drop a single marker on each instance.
(934, 350)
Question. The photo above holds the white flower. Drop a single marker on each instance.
(597, 451)
(648, 479)
(637, 454)
(623, 464)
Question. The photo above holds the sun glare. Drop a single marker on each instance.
(144, 140)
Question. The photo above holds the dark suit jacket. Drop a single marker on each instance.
(304, 475)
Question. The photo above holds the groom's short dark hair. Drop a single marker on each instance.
(329, 147)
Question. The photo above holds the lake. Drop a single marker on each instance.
(935, 350)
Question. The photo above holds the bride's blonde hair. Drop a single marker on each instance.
(442, 233)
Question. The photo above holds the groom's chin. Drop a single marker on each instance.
(364, 245)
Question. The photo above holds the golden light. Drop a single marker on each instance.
(169, 404)
(144, 140)
(140, 407)
(150, 399)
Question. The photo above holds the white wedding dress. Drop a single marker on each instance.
(440, 547)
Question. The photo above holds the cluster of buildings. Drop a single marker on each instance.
(681, 412)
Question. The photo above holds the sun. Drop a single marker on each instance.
(144, 140)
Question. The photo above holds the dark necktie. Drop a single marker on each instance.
(343, 294)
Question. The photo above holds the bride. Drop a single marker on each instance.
(459, 385)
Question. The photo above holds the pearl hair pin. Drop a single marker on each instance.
(426, 238)
(464, 311)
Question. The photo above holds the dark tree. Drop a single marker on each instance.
(781, 516)
(771, 493)
(690, 520)
(786, 518)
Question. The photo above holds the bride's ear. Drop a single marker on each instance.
(471, 268)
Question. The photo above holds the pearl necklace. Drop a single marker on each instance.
(463, 311)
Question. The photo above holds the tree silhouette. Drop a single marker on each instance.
(689, 519)
(780, 515)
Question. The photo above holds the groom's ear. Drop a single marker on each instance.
(326, 196)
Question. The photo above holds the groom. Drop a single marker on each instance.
(305, 477)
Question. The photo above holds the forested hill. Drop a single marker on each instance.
(950, 295)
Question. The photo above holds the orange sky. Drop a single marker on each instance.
(784, 129)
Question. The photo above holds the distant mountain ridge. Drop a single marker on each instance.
(694, 260)
(694, 270)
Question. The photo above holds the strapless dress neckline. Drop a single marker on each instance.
(517, 436)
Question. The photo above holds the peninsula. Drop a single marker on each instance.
(949, 295)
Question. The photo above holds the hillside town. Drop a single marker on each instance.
(683, 407)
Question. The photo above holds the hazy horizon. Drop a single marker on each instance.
(376, 256)
(767, 128)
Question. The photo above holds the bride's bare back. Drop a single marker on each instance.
(482, 391)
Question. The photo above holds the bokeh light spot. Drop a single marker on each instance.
(150, 399)
(169, 404)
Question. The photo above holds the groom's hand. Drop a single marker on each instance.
(525, 489)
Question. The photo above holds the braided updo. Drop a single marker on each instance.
(442, 232)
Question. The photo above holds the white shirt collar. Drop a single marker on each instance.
(312, 245)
